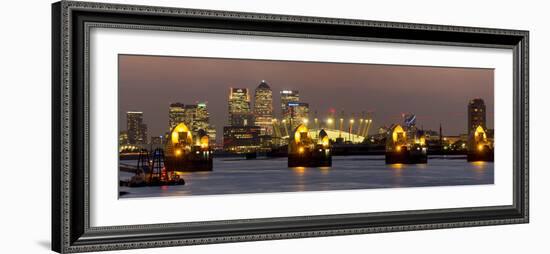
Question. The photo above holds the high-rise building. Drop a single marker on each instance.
(286, 97)
(175, 114)
(202, 117)
(239, 108)
(476, 114)
(263, 108)
(202, 121)
(135, 128)
(123, 138)
(296, 113)
(189, 116)
(211, 132)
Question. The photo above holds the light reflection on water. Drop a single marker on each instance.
(421, 166)
(232, 176)
(324, 170)
(397, 170)
(479, 168)
(479, 164)
(299, 171)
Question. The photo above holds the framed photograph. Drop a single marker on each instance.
(181, 126)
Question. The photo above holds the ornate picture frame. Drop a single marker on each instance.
(71, 229)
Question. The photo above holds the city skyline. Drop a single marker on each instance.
(192, 80)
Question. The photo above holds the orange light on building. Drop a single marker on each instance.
(325, 141)
(204, 141)
(398, 134)
(181, 128)
(298, 133)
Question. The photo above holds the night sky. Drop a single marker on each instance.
(435, 94)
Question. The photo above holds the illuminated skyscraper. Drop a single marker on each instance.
(263, 108)
(239, 107)
(476, 114)
(202, 121)
(189, 115)
(296, 113)
(202, 117)
(286, 97)
(175, 114)
(135, 128)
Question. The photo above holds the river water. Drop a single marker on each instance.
(234, 175)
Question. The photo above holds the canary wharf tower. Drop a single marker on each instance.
(263, 108)
(239, 107)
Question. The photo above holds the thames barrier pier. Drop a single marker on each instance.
(304, 151)
(405, 146)
(480, 148)
(185, 153)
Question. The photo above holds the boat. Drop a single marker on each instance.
(152, 172)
